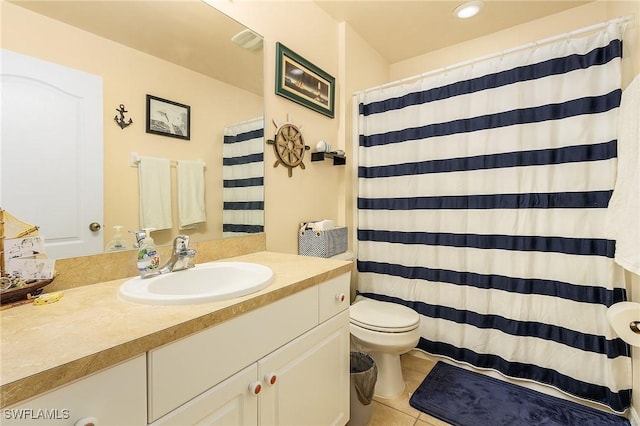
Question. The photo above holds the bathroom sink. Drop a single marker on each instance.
(206, 282)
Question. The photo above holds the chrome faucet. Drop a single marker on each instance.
(180, 256)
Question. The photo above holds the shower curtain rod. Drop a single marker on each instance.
(551, 39)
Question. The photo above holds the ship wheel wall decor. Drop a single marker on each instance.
(288, 145)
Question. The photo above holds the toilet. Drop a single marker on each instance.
(384, 330)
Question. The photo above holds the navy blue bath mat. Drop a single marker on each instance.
(465, 398)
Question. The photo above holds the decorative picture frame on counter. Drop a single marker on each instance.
(300, 81)
(168, 118)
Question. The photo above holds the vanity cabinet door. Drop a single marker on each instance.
(184, 369)
(116, 396)
(311, 385)
(231, 402)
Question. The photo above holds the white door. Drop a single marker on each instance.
(51, 152)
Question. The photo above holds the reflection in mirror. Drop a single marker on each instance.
(181, 51)
(243, 178)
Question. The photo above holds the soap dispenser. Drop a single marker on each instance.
(117, 241)
(148, 260)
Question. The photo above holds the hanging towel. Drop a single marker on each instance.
(623, 214)
(191, 209)
(155, 193)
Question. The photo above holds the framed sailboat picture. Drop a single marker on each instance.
(300, 81)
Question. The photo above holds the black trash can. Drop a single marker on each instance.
(364, 373)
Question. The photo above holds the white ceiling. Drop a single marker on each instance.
(400, 29)
(188, 33)
(194, 35)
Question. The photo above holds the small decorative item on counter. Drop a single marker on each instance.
(16, 289)
(31, 269)
(24, 267)
(45, 299)
(5, 283)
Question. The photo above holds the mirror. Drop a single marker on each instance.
(180, 51)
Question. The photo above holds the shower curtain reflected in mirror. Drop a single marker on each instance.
(243, 178)
(482, 193)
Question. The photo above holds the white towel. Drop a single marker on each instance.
(623, 214)
(155, 193)
(191, 209)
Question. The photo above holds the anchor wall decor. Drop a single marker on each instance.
(120, 121)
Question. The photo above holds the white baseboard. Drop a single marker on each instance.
(634, 416)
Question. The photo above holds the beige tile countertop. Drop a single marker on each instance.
(91, 328)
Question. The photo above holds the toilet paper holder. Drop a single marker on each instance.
(623, 318)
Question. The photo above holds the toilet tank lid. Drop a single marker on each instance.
(383, 315)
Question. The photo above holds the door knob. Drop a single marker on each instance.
(86, 421)
(95, 226)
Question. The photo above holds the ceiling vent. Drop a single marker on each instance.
(249, 40)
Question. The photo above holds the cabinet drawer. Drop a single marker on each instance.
(333, 296)
(114, 396)
(179, 371)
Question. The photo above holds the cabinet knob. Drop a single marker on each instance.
(255, 388)
(271, 378)
(86, 421)
(340, 297)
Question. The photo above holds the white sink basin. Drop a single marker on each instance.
(203, 283)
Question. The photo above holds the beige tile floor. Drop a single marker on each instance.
(397, 411)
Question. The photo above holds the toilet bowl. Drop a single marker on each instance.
(384, 330)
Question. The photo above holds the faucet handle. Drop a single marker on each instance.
(140, 235)
(181, 243)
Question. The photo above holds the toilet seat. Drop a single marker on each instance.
(385, 317)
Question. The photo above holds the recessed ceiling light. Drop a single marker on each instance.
(468, 9)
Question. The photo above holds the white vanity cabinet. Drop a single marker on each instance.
(286, 363)
(115, 396)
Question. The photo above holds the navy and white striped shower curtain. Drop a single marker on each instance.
(243, 178)
(482, 194)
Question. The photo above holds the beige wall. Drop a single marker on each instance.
(128, 75)
(363, 68)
